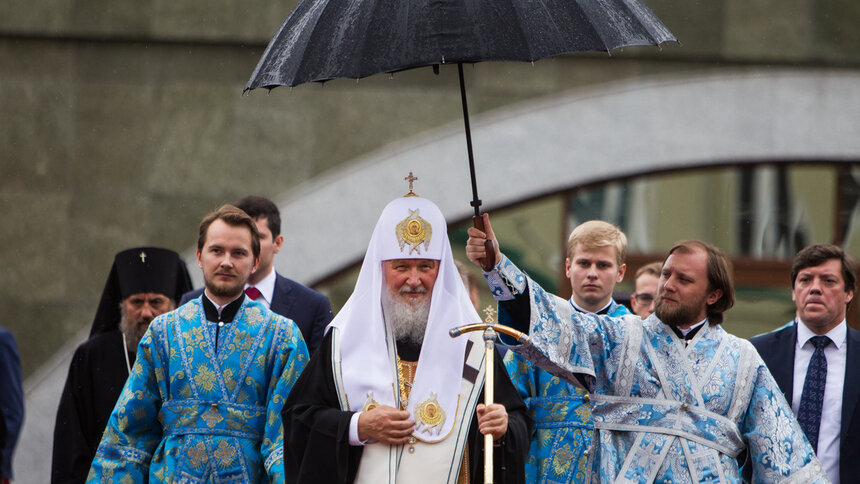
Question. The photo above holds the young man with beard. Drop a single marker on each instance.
(143, 283)
(390, 397)
(203, 400)
(675, 398)
(815, 359)
(309, 309)
(596, 253)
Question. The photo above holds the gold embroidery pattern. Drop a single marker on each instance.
(561, 460)
(212, 417)
(225, 455)
(205, 378)
(413, 231)
(197, 455)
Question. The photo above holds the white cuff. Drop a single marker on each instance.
(353, 430)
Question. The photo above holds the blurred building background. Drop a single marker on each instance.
(125, 123)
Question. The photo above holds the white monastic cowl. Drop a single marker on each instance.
(365, 361)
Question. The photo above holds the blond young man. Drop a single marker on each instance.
(595, 263)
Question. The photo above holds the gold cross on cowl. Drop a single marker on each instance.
(142, 256)
(490, 311)
(410, 179)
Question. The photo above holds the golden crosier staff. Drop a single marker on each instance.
(490, 328)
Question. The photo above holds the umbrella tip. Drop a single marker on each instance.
(436, 69)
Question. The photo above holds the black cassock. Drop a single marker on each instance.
(316, 431)
(96, 377)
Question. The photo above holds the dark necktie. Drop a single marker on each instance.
(809, 413)
(252, 292)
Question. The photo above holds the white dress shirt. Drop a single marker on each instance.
(266, 288)
(831, 410)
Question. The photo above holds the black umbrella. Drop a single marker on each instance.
(328, 39)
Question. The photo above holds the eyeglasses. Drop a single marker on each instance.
(643, 298)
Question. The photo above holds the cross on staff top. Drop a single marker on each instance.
(410, 179)
(490, 311)
(142, 256)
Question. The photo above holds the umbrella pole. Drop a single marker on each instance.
(489, 261)
(476, 202)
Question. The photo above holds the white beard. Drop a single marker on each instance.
(408, 322)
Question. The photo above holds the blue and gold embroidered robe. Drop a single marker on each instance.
(190, 414)
(558, 452)
(663, 410)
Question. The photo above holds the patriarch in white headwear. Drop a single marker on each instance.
(390, 396)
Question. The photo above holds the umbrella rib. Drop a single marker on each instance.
(634, 15)
(319, 76)
(532, 56)
(362, 50)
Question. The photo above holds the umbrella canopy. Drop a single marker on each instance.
(328, 39)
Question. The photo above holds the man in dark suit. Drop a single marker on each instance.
(309, 309)
(816, 358)
(11, 403)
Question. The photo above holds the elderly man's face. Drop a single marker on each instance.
(138, 310)
(410, 280)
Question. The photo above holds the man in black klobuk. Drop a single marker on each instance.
(390, 397)
(143, 283)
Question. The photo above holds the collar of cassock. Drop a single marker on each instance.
(602, 312)
(226, 314)
(691, 333)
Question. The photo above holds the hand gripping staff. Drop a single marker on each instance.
(490, 329)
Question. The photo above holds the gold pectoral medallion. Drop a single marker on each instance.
(370, 403)
(429, 415)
